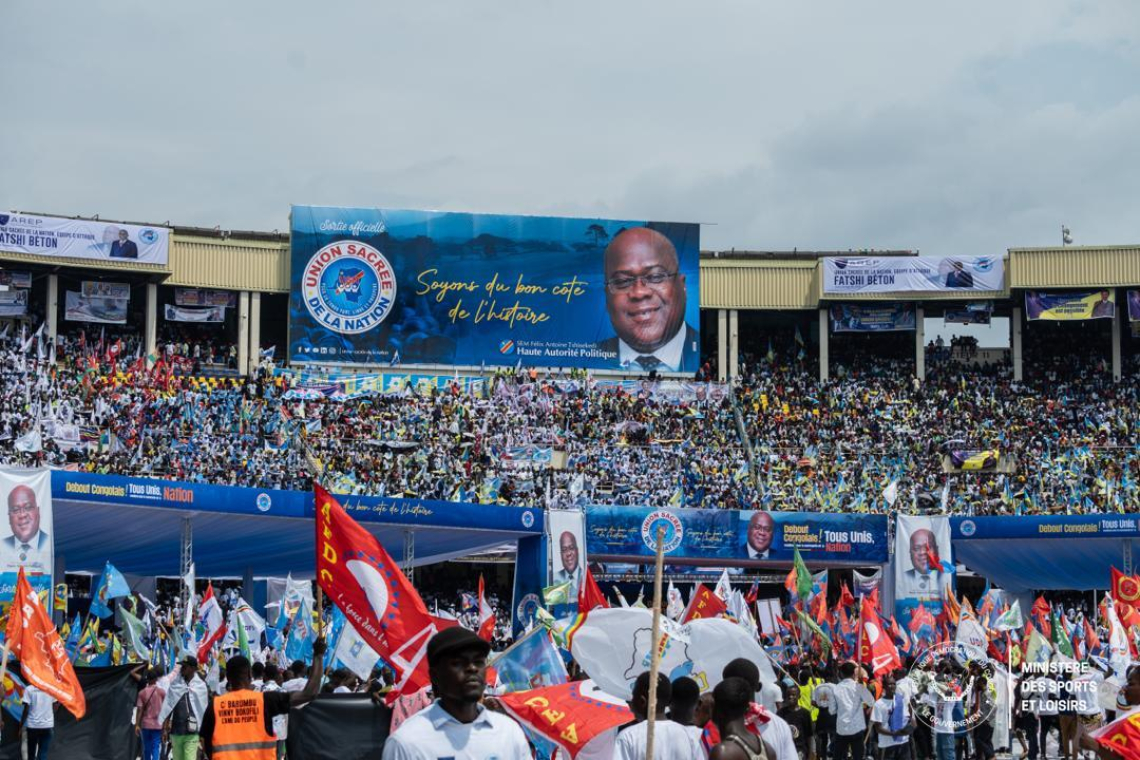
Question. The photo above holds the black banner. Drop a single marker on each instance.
(106, 731)
(339, 727)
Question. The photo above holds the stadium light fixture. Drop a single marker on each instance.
(1066, 236)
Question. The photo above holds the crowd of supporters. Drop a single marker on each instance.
(872, 438)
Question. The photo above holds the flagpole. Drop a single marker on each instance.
(655, 652)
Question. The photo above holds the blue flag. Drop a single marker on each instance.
(299, 645)
(112, 585)
(532, 662)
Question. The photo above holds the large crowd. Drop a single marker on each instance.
(870, 439)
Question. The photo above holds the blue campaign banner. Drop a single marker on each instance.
(145, 492)
(736, 537)
(383, 286)
(891, 317)
(1045, 526)
(530, 572)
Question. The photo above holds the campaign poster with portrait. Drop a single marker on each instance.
(28, 539)
(1134, 306)
(910, 274)
(385, 286)
(923, 568)
(81, 308)
(891, 317)
(736, 538)
(83, 239)
(1067, 307)
(567, 549)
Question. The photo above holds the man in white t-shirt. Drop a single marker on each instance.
(671, 741)
(38, 721)
(892, 722)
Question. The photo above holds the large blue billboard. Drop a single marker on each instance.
(381, 286)
(736, 537)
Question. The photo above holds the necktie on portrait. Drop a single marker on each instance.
(649, 362)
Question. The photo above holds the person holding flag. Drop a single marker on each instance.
(238, 725)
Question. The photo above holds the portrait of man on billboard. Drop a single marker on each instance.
(925, 578)
(28, 546)
(958, 277)
(571, 562)
(1104, 308)
(123, 247)
(645, 300)
(761, 531)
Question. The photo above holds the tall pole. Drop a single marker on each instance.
(655, 653)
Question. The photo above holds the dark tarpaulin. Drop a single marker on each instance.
(339, 727)
(106, 731)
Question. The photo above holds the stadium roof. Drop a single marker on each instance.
(732, 279)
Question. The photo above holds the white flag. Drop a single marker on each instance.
(891, 493)
(723, 590)
(31, 441)
(354, 652)
(676, 607)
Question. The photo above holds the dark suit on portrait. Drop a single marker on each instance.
(36, 555)
(124, 250)
(690, 358)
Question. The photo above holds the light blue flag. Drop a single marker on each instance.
(336, 625)
(299, 645)
(530, 663)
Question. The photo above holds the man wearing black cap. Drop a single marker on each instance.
(456, 724)
(239, 724)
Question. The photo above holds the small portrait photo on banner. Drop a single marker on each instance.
(27, 540)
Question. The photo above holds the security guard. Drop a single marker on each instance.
(239, 724)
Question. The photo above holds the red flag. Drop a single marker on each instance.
(874, 598)
(933, 558)
(486, 615)
(1091, 639)
(572, 715)
(845, 597)
(589, 595)
(753, 593)
(875, 646)
(359, 577)
(43, 661)
(1121, 737)
(210, 615)
(1125, 588)
(703, 604)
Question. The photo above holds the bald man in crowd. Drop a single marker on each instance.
(645, 298)
(28, 546)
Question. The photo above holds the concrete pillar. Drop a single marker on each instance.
(150, 327)
(243, 331)
(733, 345)
(1117, 338)
(254, 332)
(721, 345)
(824, 370)
(919, 343)
(52, 308)
(1015, 342)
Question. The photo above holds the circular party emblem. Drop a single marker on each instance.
(674, 530)
(1128, 589)
(349, 287)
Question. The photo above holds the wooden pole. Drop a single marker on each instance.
(655, 653)
(320, 611)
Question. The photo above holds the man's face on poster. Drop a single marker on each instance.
(23, 513)
(568, 548)
(920, 543)
(761, 529)
(645, 292)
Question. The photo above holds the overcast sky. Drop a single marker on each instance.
(954, 127)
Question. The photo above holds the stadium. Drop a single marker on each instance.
(180, 401)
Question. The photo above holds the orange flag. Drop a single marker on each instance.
(33, 640)
(703, 604)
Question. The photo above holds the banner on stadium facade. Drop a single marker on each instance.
(530, 573)
(736, 538)
(422, 287)
(909, 274)
(83, 239)
(16, 279)
(186, 314)
(97, 289)
(13, 303)
(973, 460)
(1064, 307)
(1000, 527)
(29, 541)
(923, 566)
(872, 318)
(966, 317)
(147, 492)
(80, 308)
(1134, 305)
(865, 584)
(204, 297)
